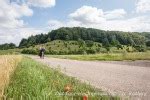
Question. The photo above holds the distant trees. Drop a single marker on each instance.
(29, 51)
(89, 43)
(105, 42)
(148, 43)
(34, 40)
(7, 46)
(107, 38)
(23, 43)
(140, 48)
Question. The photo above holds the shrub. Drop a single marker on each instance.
(62, 52)
(99, 45)
(52, 52)
(29, 51)
(89, 43)
(119, 46)
(140, 48)
(91, 51)
(103, 50)
(81, 51)
(148, 43)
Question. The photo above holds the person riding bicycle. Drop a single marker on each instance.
(41, 53)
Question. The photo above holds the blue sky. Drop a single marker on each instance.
(23, 18)
(64, 7)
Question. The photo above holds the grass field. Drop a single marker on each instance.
(34, 81)
(10, 51)
(7, 66)
(60, 45)
(108, 56)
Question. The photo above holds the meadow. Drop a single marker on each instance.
(108, 56)
(60, 47)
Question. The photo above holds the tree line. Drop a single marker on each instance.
(7, 46)
(107, 38)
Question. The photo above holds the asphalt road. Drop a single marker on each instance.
(118, 78)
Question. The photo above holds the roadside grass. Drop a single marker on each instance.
(108, 56)
(35, 81)
(7, 66)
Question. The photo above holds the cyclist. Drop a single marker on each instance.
(41, 53)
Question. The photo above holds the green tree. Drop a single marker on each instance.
(148, 43)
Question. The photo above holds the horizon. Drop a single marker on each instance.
(71, 27)
(23, 18)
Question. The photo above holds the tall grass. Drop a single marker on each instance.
(10, 51)
(7, 65)
(108, 56)
(34, 81)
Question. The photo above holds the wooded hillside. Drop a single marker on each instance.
(107, 38)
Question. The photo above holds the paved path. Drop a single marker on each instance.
(115, 78)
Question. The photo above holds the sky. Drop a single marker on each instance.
(23, 18)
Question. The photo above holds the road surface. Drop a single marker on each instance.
(120, 79)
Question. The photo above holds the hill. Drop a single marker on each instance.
(62, 47)
(66, 47)
(79, 40)
(107, 38)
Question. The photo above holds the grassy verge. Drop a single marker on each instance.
(108, 56)
(32, 80)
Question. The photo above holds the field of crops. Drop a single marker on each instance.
(7, 66)
(10, 51)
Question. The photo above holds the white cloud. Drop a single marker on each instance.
(87, 16)
(54, 24)
(15, 35)
(136, 24)
(143, 6)
(10, 14)
(12, 27)
(42, 3)
(115, 14)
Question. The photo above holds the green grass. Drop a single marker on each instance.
(108, 56)
(63, 47)
(60, 45)
(34, 81)
(10, 51)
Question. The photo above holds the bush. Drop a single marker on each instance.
(52, 52)
(140, 48)
(108, 49)
(91, 51)
(29, 51)
(119, 46)
(148, 43)
(89, 43)
(99, 45)
(103, 50)
(62, 53)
